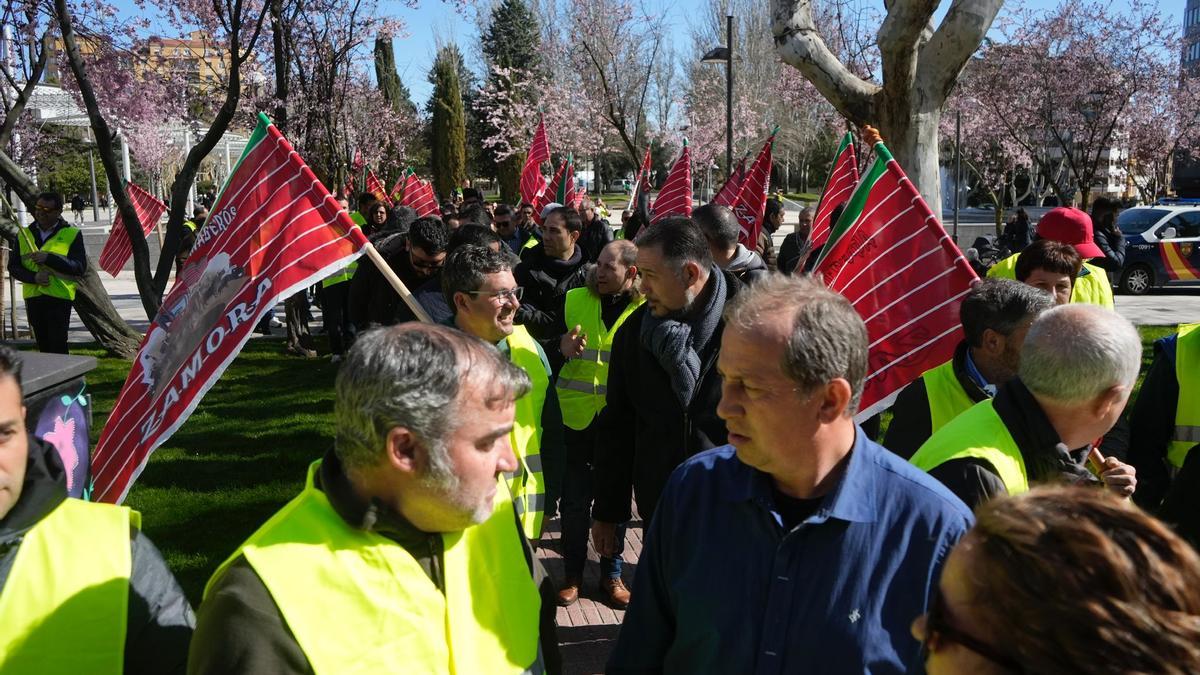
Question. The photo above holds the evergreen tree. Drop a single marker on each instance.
(512, 41)
(448, 157)
(389, 80)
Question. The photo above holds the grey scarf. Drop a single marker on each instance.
(677, 341)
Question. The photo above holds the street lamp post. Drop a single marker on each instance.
(716, 55)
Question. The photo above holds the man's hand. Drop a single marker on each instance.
(42, 278)
(870, 135)
(38, 257)
(572, 344)
(604, 538)
(1119, 477)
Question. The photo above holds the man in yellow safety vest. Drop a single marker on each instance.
(82, 590)
(50, 261)
(592, 315)
(995, 316)
(402, 554)
(1078, 366)
(479, 286)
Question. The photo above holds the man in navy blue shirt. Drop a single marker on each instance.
(803, 546)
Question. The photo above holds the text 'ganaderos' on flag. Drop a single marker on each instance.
(893, 260)
(273, 231)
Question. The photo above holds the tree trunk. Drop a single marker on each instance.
(909, 136)
(508, 173)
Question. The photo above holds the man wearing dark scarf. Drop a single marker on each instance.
(663, 387)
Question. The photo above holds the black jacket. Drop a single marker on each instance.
(645, 433)
(747, 266)
(546, 282)
(159, 620)
(975, 481)
(790, 252)
(372, 300)
(594, 237)
(1112, 242)
(911, 423)
(241, 630)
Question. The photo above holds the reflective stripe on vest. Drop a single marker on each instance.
(583, 381)
(64, 605)
(1091, 286)
(527, 485)
(357, 602)
(980, 433)
(59, 244)
(947, 398)
(1187, 408)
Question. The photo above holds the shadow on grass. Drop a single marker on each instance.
(241, 455)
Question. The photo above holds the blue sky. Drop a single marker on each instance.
(437, 19)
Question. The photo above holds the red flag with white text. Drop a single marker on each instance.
(118, 249)
(273, 231)
(889, 256)
(751, 203)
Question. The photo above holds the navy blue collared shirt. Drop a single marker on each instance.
(721, 587)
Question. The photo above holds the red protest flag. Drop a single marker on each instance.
(533, 184)
(424, 201)
(675, 197)
(889, 255)
(118, 248)
(273, 231)
(401, 186)
(751, 203)
(555, 191)
(728, 193)
(838, 186)
(375, 187)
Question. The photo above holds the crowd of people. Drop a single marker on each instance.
(1012, 516)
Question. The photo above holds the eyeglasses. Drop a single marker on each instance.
(939, 632)
(513, 294)
(47, 209)
(425, 265)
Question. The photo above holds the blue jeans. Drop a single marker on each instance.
(576, 506)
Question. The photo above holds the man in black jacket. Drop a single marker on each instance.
(415, 258)
(720, 228)
(1078, 366)
(995, 316)
(104, 572)
(547, 271)
(663, 386)
(596, 232)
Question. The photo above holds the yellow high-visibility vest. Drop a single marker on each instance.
(1187, 408)
(583, 381)
(947, 398)
(357, 602)
(527, 483)
(59, 244)
(978, 432)
(1091, 287)
(64, 606)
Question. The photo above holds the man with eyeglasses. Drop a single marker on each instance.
(479, 285)
(416, 258)
(50, 263)
(506, 226)
(802, 546)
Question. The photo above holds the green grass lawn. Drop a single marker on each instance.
(239, 457)
(244, 451)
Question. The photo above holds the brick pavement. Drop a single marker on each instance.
(587, 630)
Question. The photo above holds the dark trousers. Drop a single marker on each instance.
(336, 310)
(576, 506)
(49, 317)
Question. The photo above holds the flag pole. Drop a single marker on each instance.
(396, 283)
